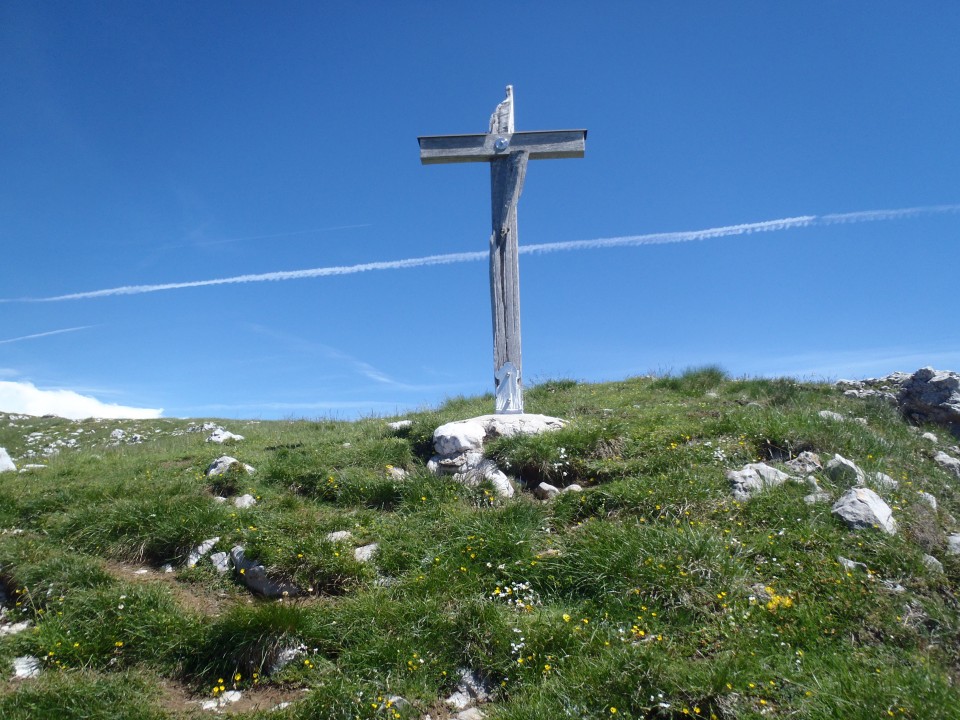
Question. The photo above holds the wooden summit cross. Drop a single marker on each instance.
(507, 152)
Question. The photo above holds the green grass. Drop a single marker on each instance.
(650, 594)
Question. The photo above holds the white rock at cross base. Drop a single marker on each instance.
(465, 435)
(861, 508)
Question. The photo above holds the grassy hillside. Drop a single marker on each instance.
(652, 593)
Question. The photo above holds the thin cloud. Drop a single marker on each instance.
(765, 226)
(45, 334)
(27, 398)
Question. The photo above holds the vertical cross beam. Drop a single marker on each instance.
(507, 152)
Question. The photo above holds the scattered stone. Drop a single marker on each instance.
(953, 544)
(286, 656)
(573, 487)
(340, 536)
(931, 437)
(218, 499)
(470, 690)
(546, 491)
(830, 415)
(245, 501)
(818, 494)
(168, 568)
(805, 463)
(221, 562)
(950, 464)
(860, 421)
(861, 508)
(400, 425)
(469, 714)
(224, 464)
(844, 472)
(753, 478)
(26, 666)
(200, 550)
(852, 565)
(932, 396)
(118, 434)
(882, 481)
(928, 499)
(892, 586)
(932, 564)
(221, 436)
(365, 553)
(396, 473)
(14, 628)
(6, 464)
(254, 576)
(32, 467)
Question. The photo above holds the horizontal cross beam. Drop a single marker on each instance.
(542, 145)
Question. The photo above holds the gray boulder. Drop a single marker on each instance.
(932, 396)
(953, 544)
(254, 576)
(861, 508)
(948, 463)
(754, 478)
(805, 463)
(844, 472)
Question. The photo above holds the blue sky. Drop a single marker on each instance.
(148, 144)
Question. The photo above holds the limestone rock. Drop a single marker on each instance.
(471, 713)
(221, 436)
(830, 415)
(26, 666)
(817, 494)
(948, 463)
(932, 564)
(931, 396)
(459, 446)
(396, 473)
(953, 544)
(200, 550)
(245, 501)
(804, 463)
(365, 553)
(6, 464)
(861, 508)
(545, 491)
(340, 536)
(221, 562)
(225, 464)
(254, 576)
(882, 481)
(931, 437)
(471, 689)
(844, 472)
(400, 425)
(754, 478)
(928, 499)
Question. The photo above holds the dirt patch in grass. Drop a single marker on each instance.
(176, 698)
(195, 598)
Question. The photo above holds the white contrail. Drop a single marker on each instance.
(624, 241)
(45, 334)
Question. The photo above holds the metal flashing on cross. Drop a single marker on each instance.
(507, 152)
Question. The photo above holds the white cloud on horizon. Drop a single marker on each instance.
(26, 398)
